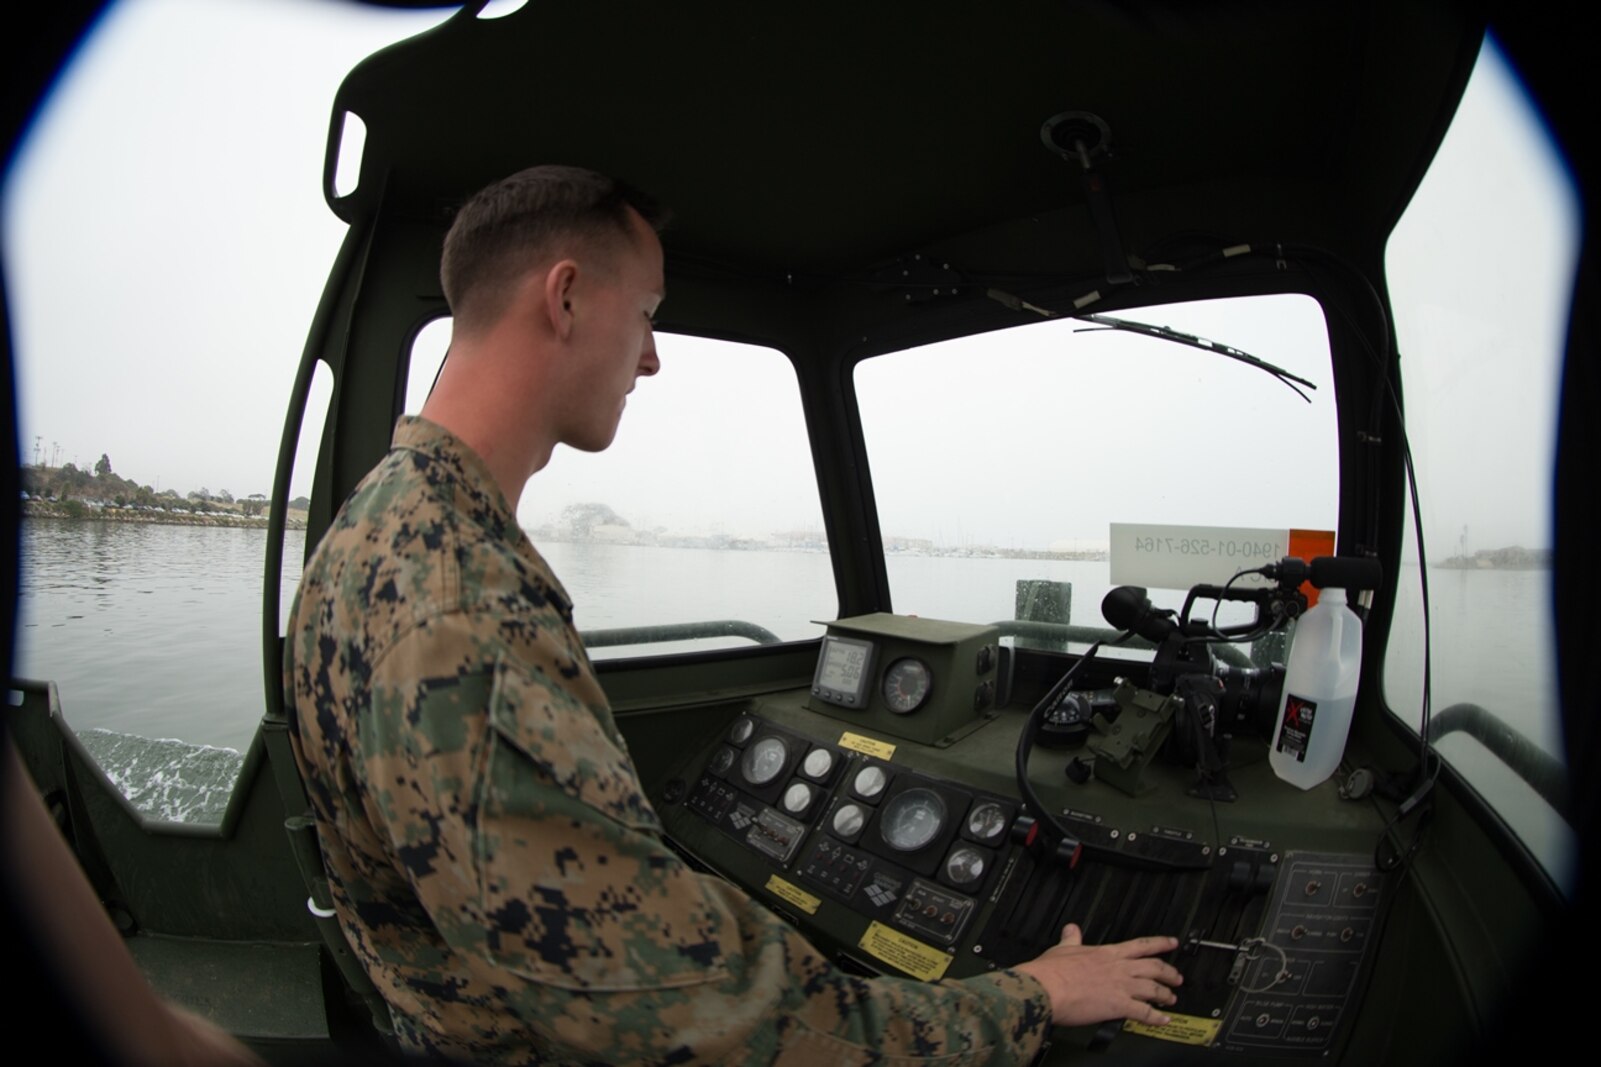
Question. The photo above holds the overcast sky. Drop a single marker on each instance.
(166, 235)
(166, 243)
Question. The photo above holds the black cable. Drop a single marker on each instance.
(1217, 604)
(1400, 856)
(1025, 747)
(1031, 727)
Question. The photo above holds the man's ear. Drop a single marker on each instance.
(560, 284)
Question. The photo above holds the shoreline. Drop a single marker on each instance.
(1498, 560)
(43, 509)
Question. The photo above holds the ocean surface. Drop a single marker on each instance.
(152, 633)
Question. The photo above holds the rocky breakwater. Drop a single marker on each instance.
(95, 510)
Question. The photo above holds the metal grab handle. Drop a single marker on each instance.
(681, 631)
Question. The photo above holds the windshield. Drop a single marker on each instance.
(999, 487)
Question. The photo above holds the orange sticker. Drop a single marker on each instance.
(1309, 545)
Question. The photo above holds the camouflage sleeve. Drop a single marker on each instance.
(550, 880)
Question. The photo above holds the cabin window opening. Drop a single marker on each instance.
(499, 9)
(159, 320)
(701, 526)
(147, 614)
(428, 350)
(1480, 272)
(1001, 461)
(352, 143)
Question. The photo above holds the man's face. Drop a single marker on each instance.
(614, 343)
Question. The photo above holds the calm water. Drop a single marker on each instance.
(154, 630)
(148, 629)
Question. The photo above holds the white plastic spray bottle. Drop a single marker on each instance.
(1319, 692)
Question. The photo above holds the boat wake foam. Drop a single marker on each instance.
(164, 778)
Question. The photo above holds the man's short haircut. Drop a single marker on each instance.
(514, 225)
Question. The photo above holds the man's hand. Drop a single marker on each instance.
(1095, 983)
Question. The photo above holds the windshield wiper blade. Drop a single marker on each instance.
(1167, 333)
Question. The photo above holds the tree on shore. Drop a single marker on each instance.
(103, 467)
(581, 519)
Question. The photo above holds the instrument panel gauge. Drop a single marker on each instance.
(764, 760)
(849, 819)
(870, 781)
(987, 821)
(912, 820)
(906, 685)
(723, 760)
(817, 764)
(844, 671)
(965, 865)
(740, 732)
(797, 798)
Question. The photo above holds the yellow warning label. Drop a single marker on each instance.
(866, 745)
(793, 894)
(907, 954)
(1184, 1029)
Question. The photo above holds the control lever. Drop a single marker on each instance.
(1027, 831)
(1246, 953)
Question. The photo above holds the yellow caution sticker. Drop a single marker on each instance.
(904, 953)
(1184, 1029)
(866, 745)
(793, 894)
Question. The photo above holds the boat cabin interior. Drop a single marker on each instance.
(995, 312)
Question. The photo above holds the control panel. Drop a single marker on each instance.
(902, 871)
(912, 852)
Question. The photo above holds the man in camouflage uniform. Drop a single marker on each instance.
(492, 856)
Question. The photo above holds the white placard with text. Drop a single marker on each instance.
(1177, 557)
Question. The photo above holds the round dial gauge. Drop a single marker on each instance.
(965, 866)
(764, 760)
(913, 819)
(817, 763)
(906, 685)
(740, 732)
(870, 781)
(797, 798)
(723, 760)
(986, 821)
(848, 820)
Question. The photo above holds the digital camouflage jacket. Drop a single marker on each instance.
(493, 858)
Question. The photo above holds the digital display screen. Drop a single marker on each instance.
(842, 671)
(843, 665)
